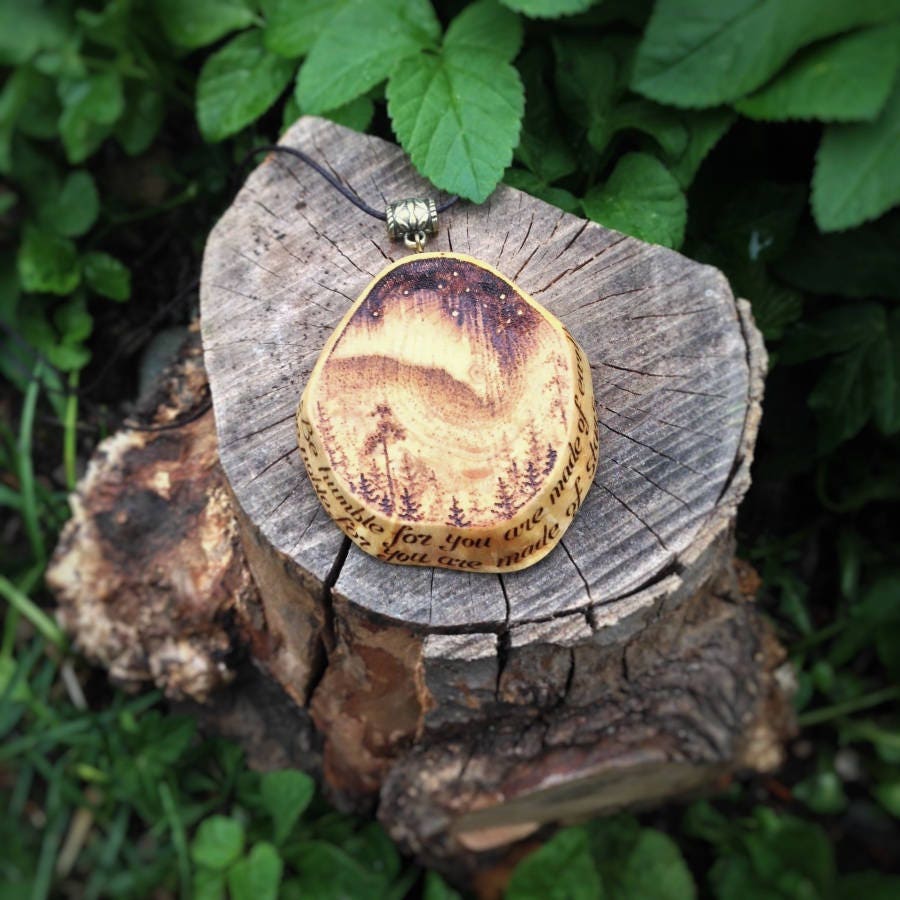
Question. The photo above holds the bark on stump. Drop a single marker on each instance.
(626, 667)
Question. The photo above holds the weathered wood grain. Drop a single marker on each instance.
(663, 335)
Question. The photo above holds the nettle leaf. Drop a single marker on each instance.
(847, 79)
(218, 842)
(202, 22)
(107, 276)
(858, 263)
(457, 112)
(857, 176)
(292, 26)
(549, 9)
(72, 210)
(664, 124)
(697, 54)
(144, 113)
(359, 46)
(237, 84)
(562, 868)
(486, 27)
(257, 876)
(285, 795)
(640, 198)
(47, 263)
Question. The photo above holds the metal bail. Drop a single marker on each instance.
(412, 221)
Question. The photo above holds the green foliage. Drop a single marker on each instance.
(458, 112)
(641, 197)
(761, 136)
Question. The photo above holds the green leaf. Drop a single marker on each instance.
(74, 209)
(549, 9)
(218, 842)
(705, 129)
(640, 198)
(237, 84)
(560, 870)
(823, 793)
(26, 28)
(842, 398)
(202, 22)
(73, 321)
(257, 876)
(47, 263)
(144, 113)
(857, 176)
(542, 147)
(835, 331)
(847, 79)
(208, 884)
(697, 54)
(107, 276)
(438, 889)
(654, 867)
(859, 263)
(664, 124)
(871, 885)
(531, 184)
(486, 27)
(361, 44)
(327, 872)
(588, 80)
(292, 26)
(285, 795)
(457, 114)
(357, 114)
(91, 106)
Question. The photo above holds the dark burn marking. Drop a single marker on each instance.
(470, 297)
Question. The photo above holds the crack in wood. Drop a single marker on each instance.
(636, 515)
(653, 449)
(584, 581)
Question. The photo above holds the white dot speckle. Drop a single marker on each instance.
(709, 292)
(375, 314)
(520, 312)
(405, 293)
(440, 284)
(468, 290)
(454, 312)
(456, 274)
(503, 296)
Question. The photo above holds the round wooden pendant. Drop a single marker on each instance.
(450, 420)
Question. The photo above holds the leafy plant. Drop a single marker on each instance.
(761, 136)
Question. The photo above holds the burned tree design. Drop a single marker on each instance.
(409, 509)
(456, 517)
(448, 423)
(387, 432)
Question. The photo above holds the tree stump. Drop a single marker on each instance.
(471, 709)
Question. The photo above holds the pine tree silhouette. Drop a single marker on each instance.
(366, 489)
(386, 505)
(386, 432)
(550, 459)
(457, 517)
(532, 478)
(534, 443)
(332, 448)
(505, 504)
(409, 509)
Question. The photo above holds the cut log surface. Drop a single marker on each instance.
(471, 709)
(663, 336)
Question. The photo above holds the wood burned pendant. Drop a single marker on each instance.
(450, 420)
